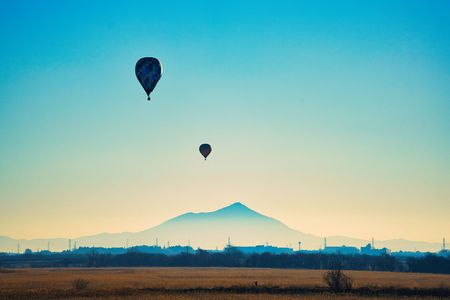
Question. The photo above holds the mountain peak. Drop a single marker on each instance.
(237, 205)
(231, 212)
(237, 210)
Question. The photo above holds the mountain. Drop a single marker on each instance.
(210, 230)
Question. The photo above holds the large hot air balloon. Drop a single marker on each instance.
(205, 150)
(148, 72)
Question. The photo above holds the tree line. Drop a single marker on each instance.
(430, 263)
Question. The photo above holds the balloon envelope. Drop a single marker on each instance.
(148, 71)
(205, 150)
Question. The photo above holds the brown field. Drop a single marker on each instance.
(200, 283)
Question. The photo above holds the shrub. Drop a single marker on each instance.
(337, 281)
(79, 284)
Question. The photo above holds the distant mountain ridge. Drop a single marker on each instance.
(211, 230)
(234, 211)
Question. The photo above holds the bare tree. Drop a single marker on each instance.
(337, 281)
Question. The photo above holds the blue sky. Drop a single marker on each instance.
(332, 116)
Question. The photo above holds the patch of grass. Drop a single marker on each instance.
(79, 284)
(215, 283)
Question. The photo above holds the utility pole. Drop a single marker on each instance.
(324, 243)
(299, 246)
(70, 244)
(373, 244)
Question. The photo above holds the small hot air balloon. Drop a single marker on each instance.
(148, 72)
(205, 150)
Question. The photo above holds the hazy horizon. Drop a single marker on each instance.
(236, 224)
(332, 117)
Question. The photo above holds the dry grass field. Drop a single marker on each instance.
(200, 283)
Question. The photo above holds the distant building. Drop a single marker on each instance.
(370, 250)
(346, 250)
(172, 250)
(264, 249)
(409, 254)
(45, 252)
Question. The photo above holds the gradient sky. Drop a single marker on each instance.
(331, 116)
